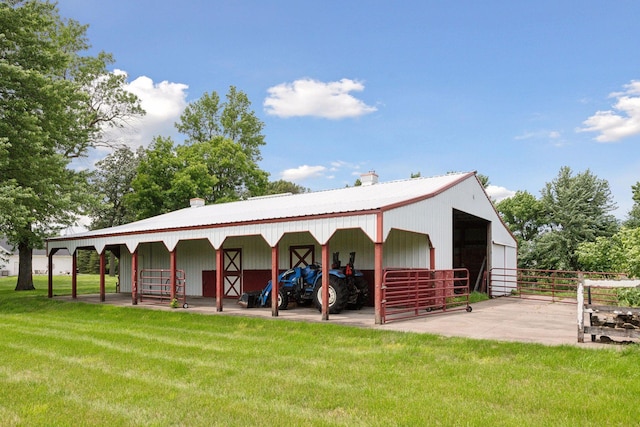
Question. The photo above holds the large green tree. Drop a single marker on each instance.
(619, 253)
(168, 176)
(232, 119)
(153, 181)
(111, 182)
(577, 210)
(53, 107)
(633, 217)
(523, 214)
(218, 162)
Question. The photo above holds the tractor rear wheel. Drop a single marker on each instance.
(363, 294)
(338, 295)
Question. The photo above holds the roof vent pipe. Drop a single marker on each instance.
(369, 178)
(196, 202)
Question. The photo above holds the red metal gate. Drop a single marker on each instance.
(156, 284)
(418, 292)
(547, 285)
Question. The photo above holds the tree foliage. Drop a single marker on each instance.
(484, 180)
(633, 217)
(111, 183)
(572, 210)
(577, 209)
(218, 161)
(281, 186)
(618, 253)
(168, 176)
(46, 92)
(232, 119)
(523, 214)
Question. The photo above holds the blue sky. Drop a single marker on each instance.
(514, 90)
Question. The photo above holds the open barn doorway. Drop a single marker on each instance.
(470, 246)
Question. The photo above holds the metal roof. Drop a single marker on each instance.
(281, 207)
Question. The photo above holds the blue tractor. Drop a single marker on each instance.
(303, 285)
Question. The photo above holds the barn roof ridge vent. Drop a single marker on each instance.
(269, 196)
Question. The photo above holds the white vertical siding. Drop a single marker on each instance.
(125, 269)
(353, 240)
(194, 256)
(504, 257)
(430, 218)
(406, 250)
(256, 253)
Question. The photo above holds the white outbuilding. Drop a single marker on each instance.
(220, 251)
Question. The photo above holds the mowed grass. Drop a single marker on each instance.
(73, 364)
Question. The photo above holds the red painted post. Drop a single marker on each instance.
(74, 275)
(172, 266)
(377, 269)
(219, 281)
(274, 281)
(377, 279)
(134, 277)
(325, 281)
(103, 263)
(432, 258)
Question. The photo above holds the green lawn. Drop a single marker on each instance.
(69, 363)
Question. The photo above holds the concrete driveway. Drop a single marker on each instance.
(502, 319)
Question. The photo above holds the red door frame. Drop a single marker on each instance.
(232, 257)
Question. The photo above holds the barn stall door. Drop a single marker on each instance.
(301, 256)
(232, 272)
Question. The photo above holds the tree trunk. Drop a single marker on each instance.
(25, 268)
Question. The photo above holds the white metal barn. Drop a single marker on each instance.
(220, 251)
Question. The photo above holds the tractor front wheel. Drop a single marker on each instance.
(283, 300)
(338, 295)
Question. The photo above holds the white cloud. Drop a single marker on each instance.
(308, 97)
(164, 102)
(541, 134)
(620, 122)
(498, 193)
(302, 172)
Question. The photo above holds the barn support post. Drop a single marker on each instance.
(74, 274)
(377, 278)
(325, 281)
(432, 257)
(219, 281)
(172, 267)
(103, 264)
(274, 280)
(50, 273)
(377, 270)
(134, 277)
